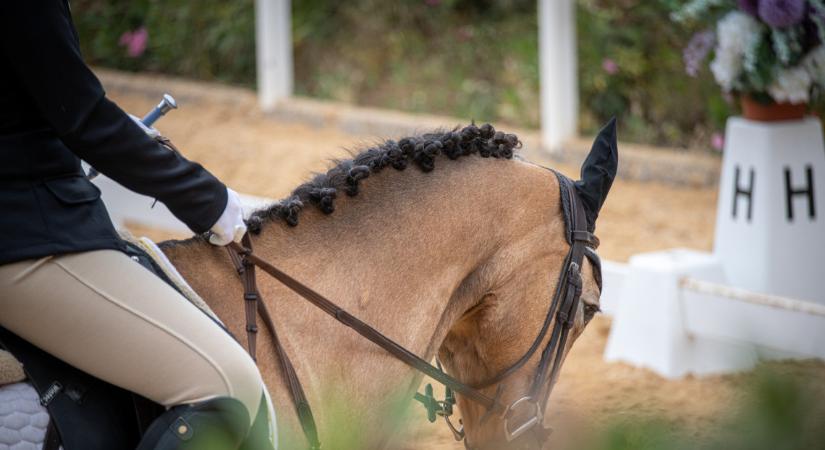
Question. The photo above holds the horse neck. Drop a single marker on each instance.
(404, 256)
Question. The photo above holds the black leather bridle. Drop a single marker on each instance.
(563, 308)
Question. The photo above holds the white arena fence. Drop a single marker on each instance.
(672, 314)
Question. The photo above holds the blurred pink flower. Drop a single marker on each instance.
(134, 41)
(465, 33)
(610, 66)
(717, 141)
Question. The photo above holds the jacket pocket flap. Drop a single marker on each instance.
(73, 190)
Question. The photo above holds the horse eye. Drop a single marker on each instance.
(590, 311)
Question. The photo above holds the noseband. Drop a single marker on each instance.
(563, 307)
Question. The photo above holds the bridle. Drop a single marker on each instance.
(563, 308)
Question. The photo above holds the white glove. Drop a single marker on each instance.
(151, 131)
(230, 226)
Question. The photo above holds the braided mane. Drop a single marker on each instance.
(420, 151)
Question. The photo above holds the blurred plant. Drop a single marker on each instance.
(208, 39)
(770, 50)
(474, 59)
(776, 412)
(697, 50)
(610, 66)
(717, 141)
(642, 85)
(134, 41)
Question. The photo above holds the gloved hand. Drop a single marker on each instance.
(230, 226)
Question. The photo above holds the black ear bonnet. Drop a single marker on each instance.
(598, 172)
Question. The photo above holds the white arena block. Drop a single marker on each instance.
(127, 206)
(614, 275)
(770, 232)
(649, 328)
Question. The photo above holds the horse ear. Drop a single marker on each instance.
(598, 172)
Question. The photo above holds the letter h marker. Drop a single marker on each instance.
(744, 192)
(807, 191)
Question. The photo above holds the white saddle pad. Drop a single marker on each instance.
(23, 421)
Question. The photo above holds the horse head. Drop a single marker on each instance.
(512, 342)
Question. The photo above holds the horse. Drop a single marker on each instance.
(456, 260)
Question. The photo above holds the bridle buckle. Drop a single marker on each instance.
(527, 425)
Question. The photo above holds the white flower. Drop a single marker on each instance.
(737, 33)
(726, 67)
(791, 85)
(814, 63)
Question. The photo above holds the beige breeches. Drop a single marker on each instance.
(107, 315)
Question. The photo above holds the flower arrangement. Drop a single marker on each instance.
(768, 50)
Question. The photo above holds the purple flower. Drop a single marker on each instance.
(697, 50)
(749, 6)
(610, 66)
(717, 141)
(782, 13)
(134, 41)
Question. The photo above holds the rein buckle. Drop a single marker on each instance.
(441, 408)
(435, 407)
(527, 425)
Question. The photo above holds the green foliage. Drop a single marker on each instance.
(779, 414)
(650, 92)
(776, 413)
(474, 59)
(207, 39)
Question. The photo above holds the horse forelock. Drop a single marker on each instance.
(420, 151)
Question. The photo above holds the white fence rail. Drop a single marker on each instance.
(775, 323)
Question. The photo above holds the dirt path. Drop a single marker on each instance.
(257, 155)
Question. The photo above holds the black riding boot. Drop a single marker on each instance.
(259, 435)
(218, 424)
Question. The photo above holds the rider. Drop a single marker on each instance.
(65, 283)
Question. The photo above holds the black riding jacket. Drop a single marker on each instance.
(53, 112)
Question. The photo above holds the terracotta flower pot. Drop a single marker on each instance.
(772, 112)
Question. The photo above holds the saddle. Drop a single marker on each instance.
(78, 402)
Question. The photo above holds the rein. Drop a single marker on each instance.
(563, 306)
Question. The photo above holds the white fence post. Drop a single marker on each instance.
(273, 51)
(558, 72)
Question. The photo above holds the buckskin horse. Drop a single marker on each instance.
(479, 259)
(459, 260)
